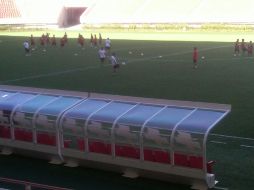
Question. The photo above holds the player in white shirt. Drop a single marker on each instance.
(102, 54)
(114, 62)
(107, 44)
(27, 47)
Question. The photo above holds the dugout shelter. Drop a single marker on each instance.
(155, 138)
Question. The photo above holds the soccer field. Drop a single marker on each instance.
(157, 66)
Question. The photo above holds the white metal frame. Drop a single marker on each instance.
(14, 110)
(173, 135)
(86, 125)
(113, 129)
(142, 132)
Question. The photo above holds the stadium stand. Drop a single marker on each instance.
(68, 13)
(174, 11)
(9, 9)
(113, 12)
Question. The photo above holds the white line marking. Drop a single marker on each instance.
(233, 137)
(247, 146)
(218, 142)
(52, 74)
(222, 188)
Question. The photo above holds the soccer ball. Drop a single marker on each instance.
(123, 63)
(75, 54)
(234, 55)
(130, 52)
(159, 56)
(203, 57)
(141, 54)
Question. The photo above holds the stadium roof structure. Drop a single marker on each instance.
(112, 125)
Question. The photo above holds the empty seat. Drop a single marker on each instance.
(119, 150)
(67, 143)
(46, 139)
(99, 147)
(161, 156)
(81, 144)
(148, 155)
(127, 151)
(5, 132)
(23, 135)
(181, 160)
(196, 162)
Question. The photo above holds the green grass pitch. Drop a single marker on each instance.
(157, 66)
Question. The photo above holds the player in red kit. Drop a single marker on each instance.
(195, 58)
(65, 38)
(95, 41)
(32, 42)
(91, 40)
(237, 48)
(42, 40)
(100, 39)
(62, 42)
(81, 40)
(250, 48)
(53, 41)
(243, 47)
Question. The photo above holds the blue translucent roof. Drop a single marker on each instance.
(112, 111)
(139, 114)
(34, 104)
(59, 105)
(15, 100)
(86, 108)
(182, 120)
(200, 120)
(5, 95)
(168, 118)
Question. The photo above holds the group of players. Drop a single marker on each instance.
(243, 48)
(240, 48)
(103, 52)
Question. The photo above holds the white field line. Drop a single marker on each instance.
(52, 74)
(218, 142)
(233, 137)
(246, 146)
(221, 188)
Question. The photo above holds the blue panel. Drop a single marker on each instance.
(200, 121)
(4, 95)
(112, 111)
(139, 114)
(168, 118)
(32, 105)
(59, 105)
(86, 108)
(14, 100)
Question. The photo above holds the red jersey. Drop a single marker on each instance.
(32, 41)
(53, 41)
(195, 55)
(62, 41)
